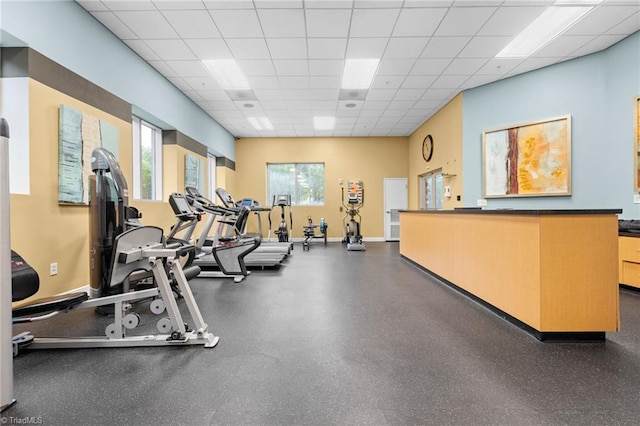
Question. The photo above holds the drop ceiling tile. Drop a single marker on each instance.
(92, 5)
(418, 22)
(278, 4)
(179, 83)
(602, 19)
(328, 4)
(427, 3)
(115, 25)
(226, 106)
(202, 83)
(190, 69)
(531, 64)
(395, 66)
(264, 82)
(327, 48)
(366, 47)
(498, 66)
(373, 22)
(164, 69)
(484, 47)
(287, 133)
(280, 113)
(248, 48)
(377, 113)
(144, 51)
(251, 67)
(228, 4)
(375, 105)
(147, 24)
(324, 82)
(563, 46)
(268, 95)
(387, 81)
(430, 66)
(282, 22)
(373, 4)
(214, 95)
(461, 21)
(597, 44)
(397, 105)
(209, 48)
(434, 94)
(476, 81)
(405, 47)
(171, 50)
(192, 23)
(528, 2)
(237, 23)
(418, 81)
(291, 67)
(273, 105)
(179, 4)
(326, 67)
(626, 27)
(287, 48)
(426, 105)
(345, 121)
(324, 94)
(296, 94)
(465, 66)
(449, 81)
(328, 23)
(444, 47)
(131, 5)
(510, 21)
(294, 82)
(324, 105)
(380, 94)
(409, 94)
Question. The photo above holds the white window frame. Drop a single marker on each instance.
(429, 180)
(295, 195)
(137, 124)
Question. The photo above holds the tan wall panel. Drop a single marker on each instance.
(446, 129)
(42, 231)
(368, 159)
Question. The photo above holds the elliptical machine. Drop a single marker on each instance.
(355, 201)
(282, 232)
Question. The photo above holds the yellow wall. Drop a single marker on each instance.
(368, 159)
(42, 231)
(446, 129)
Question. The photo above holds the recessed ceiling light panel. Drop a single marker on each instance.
(359, 73)
(228, 74)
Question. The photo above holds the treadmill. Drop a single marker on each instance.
(253, 205)
(228, 226)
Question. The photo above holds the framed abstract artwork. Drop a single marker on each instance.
(528, 160)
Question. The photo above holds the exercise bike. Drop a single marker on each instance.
(352, 220)
(282, 232)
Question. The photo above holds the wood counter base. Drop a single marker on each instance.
(552, 273)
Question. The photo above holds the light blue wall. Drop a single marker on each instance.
(64, 32)
(598, 91)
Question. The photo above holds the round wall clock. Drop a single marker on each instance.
(427, 148)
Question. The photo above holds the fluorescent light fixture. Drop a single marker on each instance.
(260, 123)
(359, 73)
(549, 25)
(228, 74)
(324, 123)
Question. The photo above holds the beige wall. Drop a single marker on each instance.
(446, 129)
(368, 159)
(42, 231)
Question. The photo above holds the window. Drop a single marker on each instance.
(431, 190)
(211, 160)
(147, 161)
(303, 181)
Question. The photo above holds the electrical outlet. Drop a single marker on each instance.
(53, 269)
(636, 198)
(482, 202)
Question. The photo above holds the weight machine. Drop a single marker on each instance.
(355, 201)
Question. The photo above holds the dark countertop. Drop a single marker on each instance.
(519, 212)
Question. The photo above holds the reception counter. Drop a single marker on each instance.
(552, 272)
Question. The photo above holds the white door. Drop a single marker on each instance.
(395, 199)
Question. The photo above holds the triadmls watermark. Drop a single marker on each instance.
(26, 420)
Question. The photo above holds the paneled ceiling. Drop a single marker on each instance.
(293, 51)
